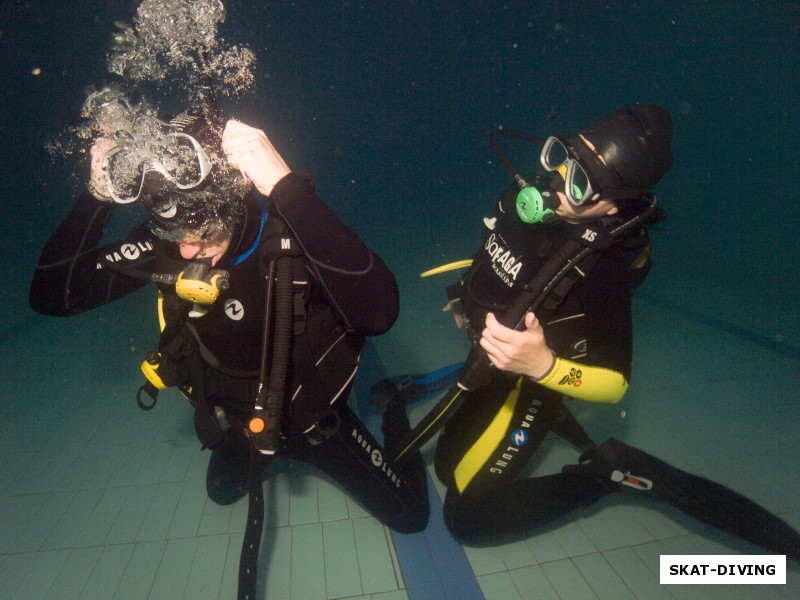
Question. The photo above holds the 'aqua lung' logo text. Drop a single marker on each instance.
(376, 457)
(519, 438)
(504, 264)
(128, 251)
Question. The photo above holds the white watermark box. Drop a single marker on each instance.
(722, 568)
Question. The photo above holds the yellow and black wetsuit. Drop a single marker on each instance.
(484, 448)
(486, 445)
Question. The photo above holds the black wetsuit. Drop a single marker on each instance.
(347, 290)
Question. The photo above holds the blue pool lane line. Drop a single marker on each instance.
(434, 565)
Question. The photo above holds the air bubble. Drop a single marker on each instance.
(180, 36)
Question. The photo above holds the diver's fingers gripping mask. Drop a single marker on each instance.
(180, 160)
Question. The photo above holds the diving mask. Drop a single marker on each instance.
(560, 156)
(178, 158)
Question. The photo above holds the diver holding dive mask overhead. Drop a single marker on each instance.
(267, 339)
(178, 158)
(169, 171)
(547, 303)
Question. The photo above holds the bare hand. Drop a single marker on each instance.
(522, 352)
(250, 150)
(97, 179)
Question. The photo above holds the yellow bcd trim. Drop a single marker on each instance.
(151, 372)
(162, 322)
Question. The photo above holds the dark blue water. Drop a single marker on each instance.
(392, 103)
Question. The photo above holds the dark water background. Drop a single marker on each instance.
(391, 103)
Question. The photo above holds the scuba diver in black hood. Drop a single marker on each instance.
(253, 271)
(547, 303)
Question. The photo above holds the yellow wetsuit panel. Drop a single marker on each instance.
(482, 449)
(583, 382)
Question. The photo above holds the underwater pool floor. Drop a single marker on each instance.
(100, 500)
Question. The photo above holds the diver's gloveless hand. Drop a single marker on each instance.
(97, 181)
(249, 150)
(522, 352)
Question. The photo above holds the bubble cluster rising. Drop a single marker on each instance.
(171, 37)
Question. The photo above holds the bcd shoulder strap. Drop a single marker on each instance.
(325, 353)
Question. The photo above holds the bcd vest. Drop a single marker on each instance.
(324, 355)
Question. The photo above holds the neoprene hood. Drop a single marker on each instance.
(635, 144)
